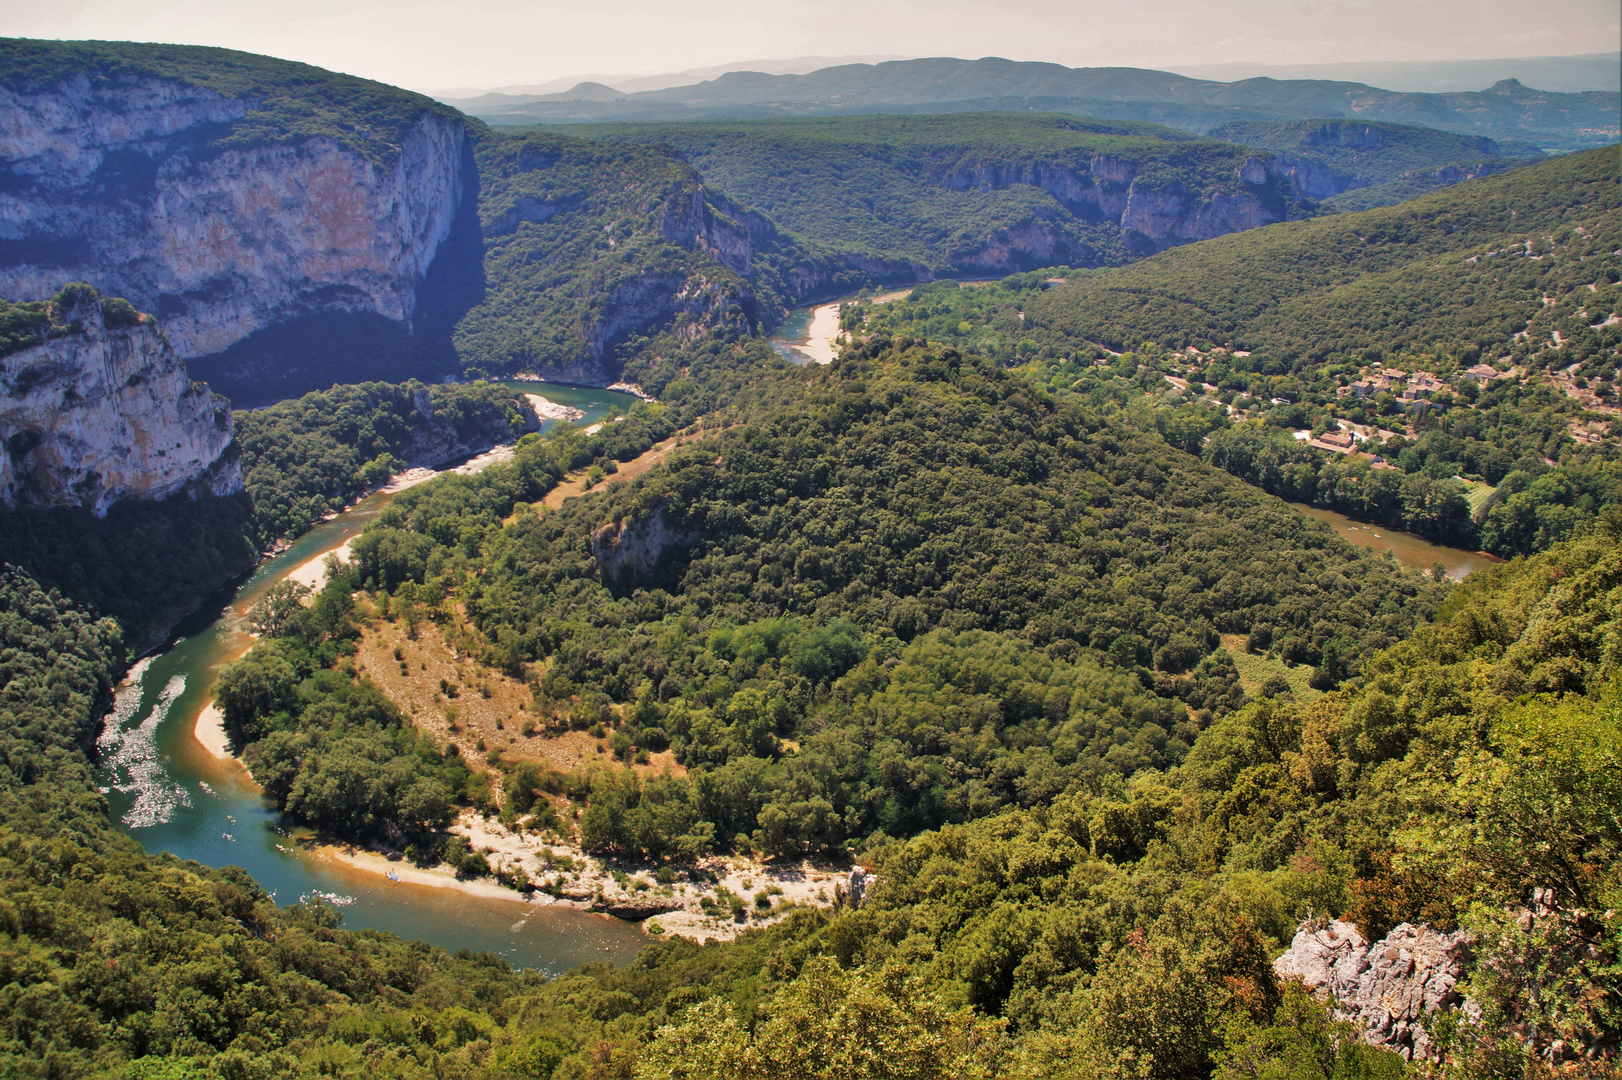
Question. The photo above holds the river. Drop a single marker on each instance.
(171, 794)
(806, 335)
(1407, 548)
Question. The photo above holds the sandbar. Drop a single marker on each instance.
(440, 877)
(820, 335)
(546, 409)
(210, 731)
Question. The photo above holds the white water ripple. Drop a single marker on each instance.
(131, 755)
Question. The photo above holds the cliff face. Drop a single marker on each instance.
(1153, 215)
(125, 182)
(632, 551)
(95, 414)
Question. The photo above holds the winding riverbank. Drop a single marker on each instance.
(1406, 548)
(811, 334)
(171, 784)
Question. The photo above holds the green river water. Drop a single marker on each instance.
(169, 793)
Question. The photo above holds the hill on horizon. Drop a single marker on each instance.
(1506, 110)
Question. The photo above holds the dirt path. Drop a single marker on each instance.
(454, 699)
(575, 483)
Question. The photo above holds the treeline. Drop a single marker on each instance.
(306, 457)
(1112, 925)
(909, 594)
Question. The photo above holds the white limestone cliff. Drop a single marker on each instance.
(1389, 987)
(120, 183)
(93, 415)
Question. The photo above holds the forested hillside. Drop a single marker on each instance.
(314, 455)
(1355, 165)
(907, 594)
(591, 245)
(1231, 345)
(1451, 271)
(1111, 924)
(949, 85)
(1001, 605)
(964, 193)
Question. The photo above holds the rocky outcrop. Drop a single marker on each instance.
(632, 550)
(635, 908)
(1152, 214)
(1159, 218)
(95, 413)
(438, 440)
(1388, 987)
(131, 183)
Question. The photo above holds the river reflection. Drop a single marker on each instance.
(1407, 548)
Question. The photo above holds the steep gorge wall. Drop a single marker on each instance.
(1152, 213)
(120, 182)
(95, 414)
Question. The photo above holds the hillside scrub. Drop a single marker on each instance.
(1058, 626)
(1105, 926)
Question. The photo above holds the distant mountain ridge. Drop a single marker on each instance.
(1506, 110)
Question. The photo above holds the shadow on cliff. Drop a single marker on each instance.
(147, 564)
(317, 350)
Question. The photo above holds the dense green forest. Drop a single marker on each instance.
(1119, 929)
(312, 455)
(909, 593)
(1498, 470)
(1304, 322)
(946, 193)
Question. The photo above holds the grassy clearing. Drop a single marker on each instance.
(1255, 670)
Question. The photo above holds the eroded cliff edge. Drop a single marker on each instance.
(223, 208)
(95, 407)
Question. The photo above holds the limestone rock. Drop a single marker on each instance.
(1388, 987)
(95, 414)
(627, 551)
(119, 182)
(637, 908)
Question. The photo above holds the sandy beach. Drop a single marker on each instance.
(820, 335)
(551, 410)
(210, 731)
(313, 573)
(440, 877)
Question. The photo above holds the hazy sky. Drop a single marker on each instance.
(485, 43)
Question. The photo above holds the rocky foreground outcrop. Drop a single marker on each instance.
(101, 409)
(1389, 987)
(133, 182)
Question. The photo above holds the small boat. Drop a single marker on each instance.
(228, 836)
